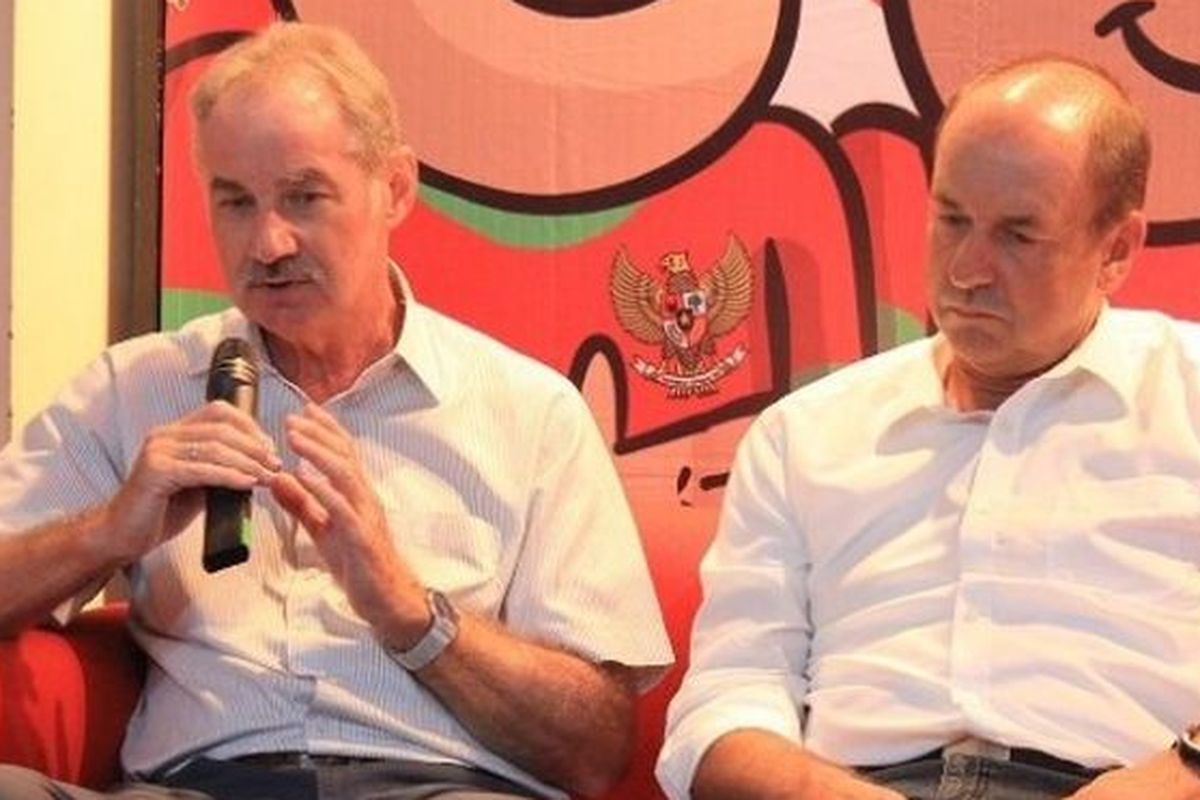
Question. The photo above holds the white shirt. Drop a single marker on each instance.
(890, 575)
(499, 491)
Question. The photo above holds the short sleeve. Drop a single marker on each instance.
(65, 460)
(582, 581)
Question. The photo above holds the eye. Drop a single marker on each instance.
(954, 220)
(1017, 236)
(304, 198)
(235, 202)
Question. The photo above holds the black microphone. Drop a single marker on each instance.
(233, 377)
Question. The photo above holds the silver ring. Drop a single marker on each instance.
(193, 452)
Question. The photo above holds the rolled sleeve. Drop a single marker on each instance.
(751, 637)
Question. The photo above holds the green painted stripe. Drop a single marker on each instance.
(896, 326)
(530, 231)
(180, 305)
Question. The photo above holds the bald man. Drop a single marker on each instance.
(967, 567)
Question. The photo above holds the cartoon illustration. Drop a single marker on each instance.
(769, 156)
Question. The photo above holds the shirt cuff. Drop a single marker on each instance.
(691, 731)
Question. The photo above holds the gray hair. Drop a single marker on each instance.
(361, 91)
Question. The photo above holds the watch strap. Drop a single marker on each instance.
(442, 630)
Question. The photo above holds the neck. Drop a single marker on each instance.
(326, 365)
(968, 390)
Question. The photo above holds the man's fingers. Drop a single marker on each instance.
(340, 469)
(300, 503)
(335, 503)
(325, 419)
(334, 438)
(253, 443)
(219, 453)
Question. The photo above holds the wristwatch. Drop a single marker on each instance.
(441, 633)
(1189, 748)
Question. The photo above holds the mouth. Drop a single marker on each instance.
(969, 312)
(1169, 69)
(278, 284)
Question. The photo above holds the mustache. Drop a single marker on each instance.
(284, 270)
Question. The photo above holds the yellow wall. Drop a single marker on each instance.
(60, 201)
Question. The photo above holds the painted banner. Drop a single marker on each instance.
(691, 207)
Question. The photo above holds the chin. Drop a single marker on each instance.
(288, 323)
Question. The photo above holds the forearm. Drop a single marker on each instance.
(559, 717)
(758, 765)
(46, 565)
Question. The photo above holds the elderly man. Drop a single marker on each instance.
(445, 595)
(967, 567)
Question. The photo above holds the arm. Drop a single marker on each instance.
(1163, 775)
(214, 446)
(541, 707)
(734, 729)
(66, 555)
(538, 707)
(757, 765)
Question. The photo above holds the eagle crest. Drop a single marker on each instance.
(684, 314)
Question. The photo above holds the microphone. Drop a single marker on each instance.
(233, 377)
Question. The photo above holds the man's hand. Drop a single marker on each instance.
(332, 498)
(1162, 777)
(750, 764)
(216, 445)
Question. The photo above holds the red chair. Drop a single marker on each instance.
(65, 697)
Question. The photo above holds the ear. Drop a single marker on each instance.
(402, 185)
(1121, 247)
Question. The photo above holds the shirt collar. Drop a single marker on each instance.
(416, 347)
(1104, 353)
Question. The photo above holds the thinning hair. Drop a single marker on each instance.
(360, 90)
(1118, 153)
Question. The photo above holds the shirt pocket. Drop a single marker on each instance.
(1138, 538)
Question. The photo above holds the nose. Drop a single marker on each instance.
(273, 238)
(971, 263)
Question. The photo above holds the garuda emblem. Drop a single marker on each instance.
(685, 314)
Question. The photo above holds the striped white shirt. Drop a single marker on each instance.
(499, 491)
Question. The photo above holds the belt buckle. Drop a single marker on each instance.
(978, 748)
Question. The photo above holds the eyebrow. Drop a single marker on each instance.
(1011, 221)
(306, 177)
(219, 184)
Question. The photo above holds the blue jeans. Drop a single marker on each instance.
(962, 777)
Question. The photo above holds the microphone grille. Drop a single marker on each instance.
(235, 357)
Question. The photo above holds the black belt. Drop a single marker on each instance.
(979, 748)
(301, 760)
(1033, 758)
